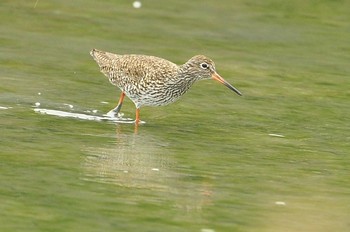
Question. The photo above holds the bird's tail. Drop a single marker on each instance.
(101, 57)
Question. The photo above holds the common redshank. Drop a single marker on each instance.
(153, 81)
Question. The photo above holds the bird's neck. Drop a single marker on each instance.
(183, 81)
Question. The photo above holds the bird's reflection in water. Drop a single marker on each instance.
(131, 160)
(145, 162)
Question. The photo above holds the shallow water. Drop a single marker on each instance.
(275, 159)
(85, 174)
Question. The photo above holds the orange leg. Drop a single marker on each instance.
(120, 103)
(137, 119)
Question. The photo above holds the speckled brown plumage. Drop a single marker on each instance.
(153, 81)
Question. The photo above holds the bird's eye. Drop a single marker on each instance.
(204, 65)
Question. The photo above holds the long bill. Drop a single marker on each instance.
(218, 78)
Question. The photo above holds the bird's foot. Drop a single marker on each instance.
(114, 114)
(139, 122)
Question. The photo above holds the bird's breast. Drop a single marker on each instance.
(155, 93)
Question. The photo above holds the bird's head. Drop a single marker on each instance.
(201, 67)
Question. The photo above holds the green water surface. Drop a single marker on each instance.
(275, 159)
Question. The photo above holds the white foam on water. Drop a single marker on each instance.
(69, 105)
(4, 108)
(280, 203)
(137, 4)
(207, 230)
(277, 135)
(65, 114)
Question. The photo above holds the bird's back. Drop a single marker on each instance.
(122, 69)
